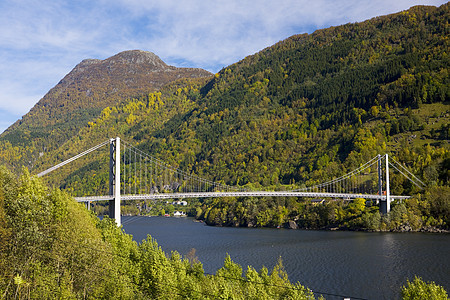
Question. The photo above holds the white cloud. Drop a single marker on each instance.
(42, 40)
(212, 33)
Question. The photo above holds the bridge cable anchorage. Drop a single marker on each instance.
(72, 159)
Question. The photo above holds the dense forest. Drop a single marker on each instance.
(306, 110)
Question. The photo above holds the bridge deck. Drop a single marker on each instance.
(157, 196)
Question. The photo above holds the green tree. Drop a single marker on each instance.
(420, 290)
(48, 257)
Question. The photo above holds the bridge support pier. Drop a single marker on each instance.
(385, 205)
(114, 179)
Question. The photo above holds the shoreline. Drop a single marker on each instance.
(290, 226)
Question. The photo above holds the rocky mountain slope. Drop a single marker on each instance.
(79, 98)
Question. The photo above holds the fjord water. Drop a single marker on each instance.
(354, 264)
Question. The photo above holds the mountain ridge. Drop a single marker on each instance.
(84, 92)
(130, 68)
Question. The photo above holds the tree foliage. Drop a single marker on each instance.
(420, 290)
(52, 247)
(418, 213)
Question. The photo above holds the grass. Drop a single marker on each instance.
(433, 117)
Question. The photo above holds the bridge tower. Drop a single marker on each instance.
(385, 205)
(114, 179)
(380, 177)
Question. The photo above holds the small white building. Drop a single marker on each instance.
(179, 214)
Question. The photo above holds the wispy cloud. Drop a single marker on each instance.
(42, 40)
(217, 33)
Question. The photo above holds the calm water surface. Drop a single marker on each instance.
(357, 264)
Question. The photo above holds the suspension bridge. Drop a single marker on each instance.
(135, 175)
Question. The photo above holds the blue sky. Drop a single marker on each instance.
(42, 40)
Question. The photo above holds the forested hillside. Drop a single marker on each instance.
(303, 108)
(308, 109)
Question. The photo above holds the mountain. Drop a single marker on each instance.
(304, 110)
(81, 95)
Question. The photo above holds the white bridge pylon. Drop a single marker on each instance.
(135, 175)
(114, 180)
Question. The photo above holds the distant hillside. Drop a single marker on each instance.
(305, 110)
(79, 98)
(314, 106)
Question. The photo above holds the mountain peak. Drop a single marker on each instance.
(137, 57)
(135, 68)
(93, 85)
(130, 61)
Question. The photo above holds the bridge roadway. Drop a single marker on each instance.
(160, 196)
